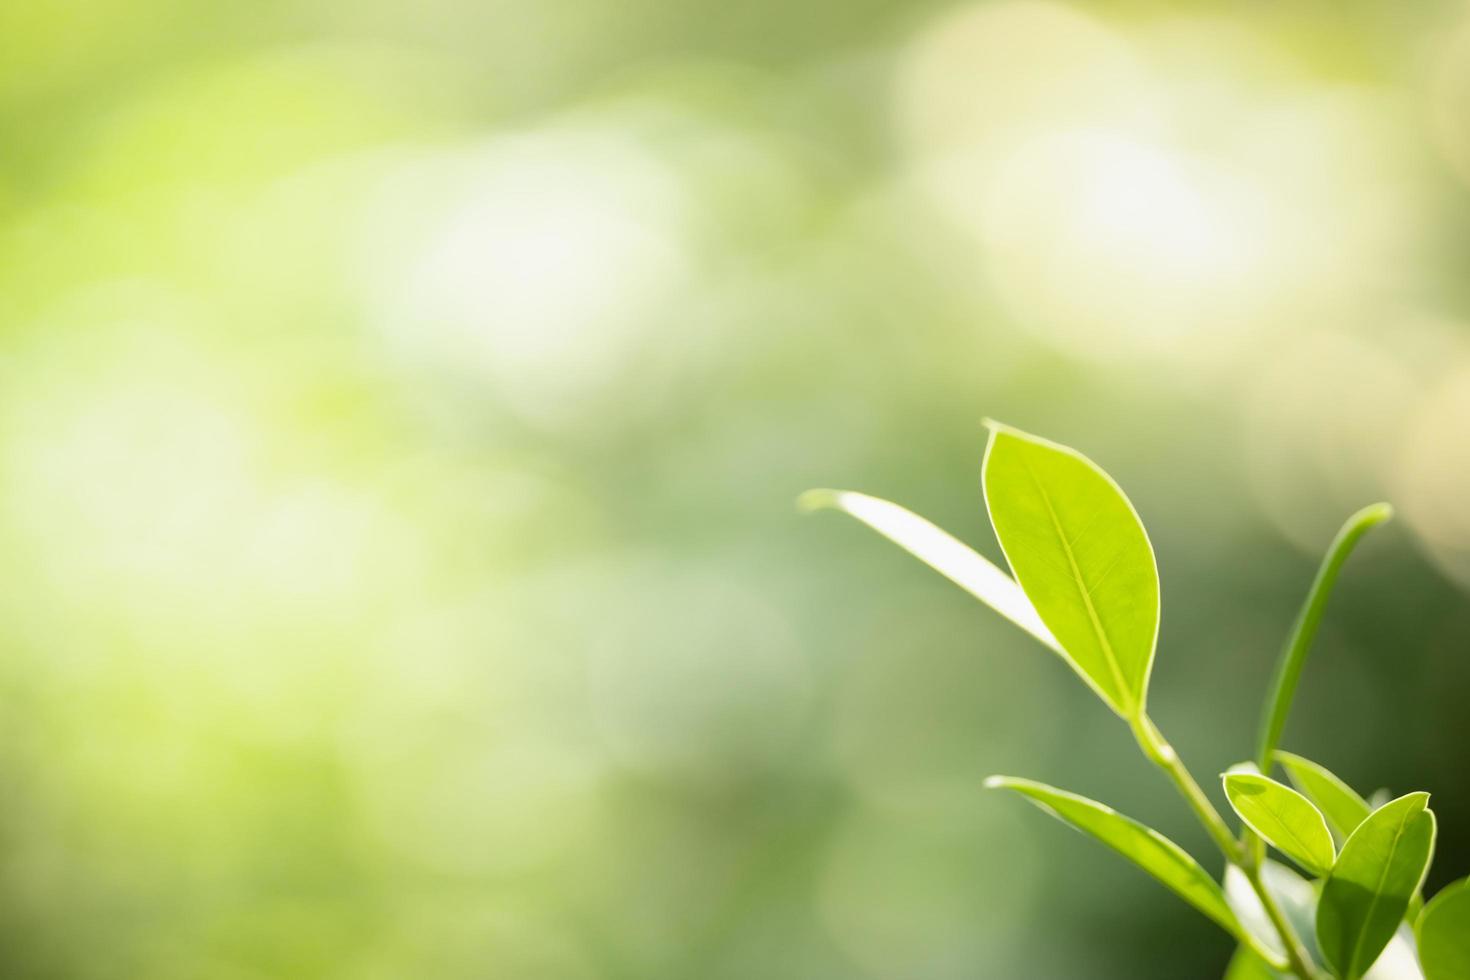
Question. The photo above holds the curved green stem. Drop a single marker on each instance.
(1294, 657)
(1162, 754)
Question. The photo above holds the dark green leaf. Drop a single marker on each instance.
(1381, 865)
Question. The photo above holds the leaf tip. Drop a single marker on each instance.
(1375, 514)
(996, 427)
(997, 782)
(819, 498)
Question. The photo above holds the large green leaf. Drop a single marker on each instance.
(1079, 551)
(1283, 818)
(1381, 865)
(1339, 803)
(1147, 848)
(1294, 656)
(940, 551)
(1444, 933)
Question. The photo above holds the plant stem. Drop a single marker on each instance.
(1162, 754)
(1244, 853)
(1296, 953)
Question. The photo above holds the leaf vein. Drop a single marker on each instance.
(1080, 581)
(1377, 894)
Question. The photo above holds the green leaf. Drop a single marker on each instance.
(940, 551)
(1147, 848)
(1444, 933)
(1283, 818)
(1078, 549)
(1381, 865)
(1294, 657)
(1339, 803)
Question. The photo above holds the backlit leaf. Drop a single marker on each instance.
(1078, 549)
(1382, 864)
(1283, 818)
(1343, 808)
(1147, 848)
(940, 551)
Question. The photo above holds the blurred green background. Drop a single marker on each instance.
(402, 408)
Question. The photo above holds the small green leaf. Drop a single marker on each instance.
(1283, 818)
(1339, 803)
(1147, 848)
(940, 551)
(1078, 549)
(1444, 933)
(1381, 865)
(1289, 668)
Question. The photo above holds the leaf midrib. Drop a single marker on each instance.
(1289, 831)
(1124, 694)
(1377, 894)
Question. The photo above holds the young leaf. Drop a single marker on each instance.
(1146, 848)
(941, 552)
(1339, 803)
(1381, 865)
(1444, 933)
(1078, 549)
(1283, 818)
(1289, 668)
